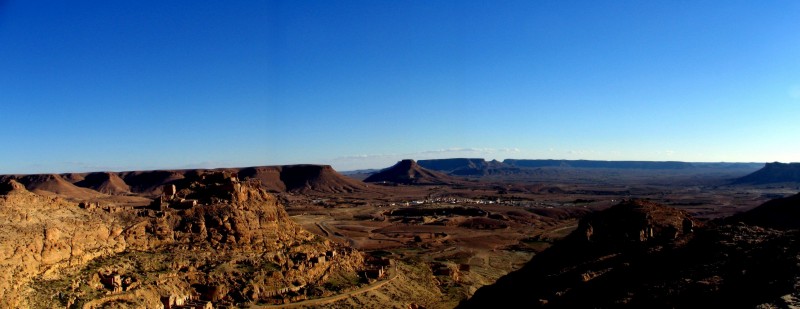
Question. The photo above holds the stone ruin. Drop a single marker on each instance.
(200, 189)
(442, 269)
(116, 283)
(376, 268)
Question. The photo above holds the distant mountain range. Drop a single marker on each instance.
(660, 165)
(309, 178)
(481, 167)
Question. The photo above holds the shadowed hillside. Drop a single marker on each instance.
(782, 213)
(644, 255)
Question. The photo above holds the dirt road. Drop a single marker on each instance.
(333, 298)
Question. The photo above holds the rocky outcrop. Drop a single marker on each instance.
(41, 236)
(233, 243)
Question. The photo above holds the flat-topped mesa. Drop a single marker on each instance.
(775, 172)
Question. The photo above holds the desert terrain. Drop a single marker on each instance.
(427, 234)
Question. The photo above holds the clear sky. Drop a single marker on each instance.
(126, 85)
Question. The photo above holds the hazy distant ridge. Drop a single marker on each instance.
(478, 166)
(773, 173)
(600, 164)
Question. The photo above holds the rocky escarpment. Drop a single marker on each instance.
(304, 178)
(208, 238)
(45, 236)
(643, 255)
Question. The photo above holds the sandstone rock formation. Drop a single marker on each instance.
(43, 236)
(233, 244)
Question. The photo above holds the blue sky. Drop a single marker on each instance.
(113, 85)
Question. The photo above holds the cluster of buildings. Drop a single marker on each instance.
(93, 206)
(169, 199)
(450, 200)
